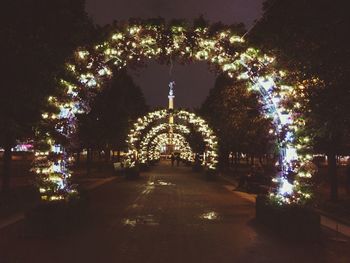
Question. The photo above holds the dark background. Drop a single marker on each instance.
(192, 81)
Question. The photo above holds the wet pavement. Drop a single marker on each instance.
(168, 215)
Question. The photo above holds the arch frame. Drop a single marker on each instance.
(143, 148)
(225, 50)
(136, 135)
(159, 140)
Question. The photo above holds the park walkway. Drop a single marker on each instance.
(170, 214)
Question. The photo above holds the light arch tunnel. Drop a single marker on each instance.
(223, 49)
(155, 147)
(151, 145)
(145, 130)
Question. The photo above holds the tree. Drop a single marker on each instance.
(195, 139)
(236, 115)
(37, 37)
(310, 39)
(113, 111)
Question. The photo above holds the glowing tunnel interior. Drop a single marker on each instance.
(146, 128)
(181, 145)
(144, 145)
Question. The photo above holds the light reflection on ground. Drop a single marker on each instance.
(210, 215)
(129, 222)
(148, 190)
(160, 183)
(147, 220)
(164, 183)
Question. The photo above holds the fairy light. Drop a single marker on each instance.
(225, 50)
(137, 137)
(143, 149)
(160, 140)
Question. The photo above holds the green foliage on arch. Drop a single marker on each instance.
(132, 44)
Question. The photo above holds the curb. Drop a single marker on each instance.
(333, 217)
(5, 222)
(11, 220)
(327, 220)
(225, 178)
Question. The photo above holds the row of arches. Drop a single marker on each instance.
(181, 145)
(147, 128)
(132, 44)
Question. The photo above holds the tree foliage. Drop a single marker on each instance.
(37, 37)
(237, 117)
(310, 38)
(112, 112)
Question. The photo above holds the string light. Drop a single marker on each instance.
(136, 136)
(225, 50)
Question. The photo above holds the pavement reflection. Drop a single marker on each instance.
(210, 215)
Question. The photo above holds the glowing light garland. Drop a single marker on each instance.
(226, 51)
(138, 141)
(207, 133)
(180, 142)
(143, 152)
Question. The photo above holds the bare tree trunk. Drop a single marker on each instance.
(332, 172)
(88, 161)
(107, 154)
(7, 159)
(224, 160)
(236, 158)
(78, 157)
(119, 156)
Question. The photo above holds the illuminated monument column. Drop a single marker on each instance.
(171, 96)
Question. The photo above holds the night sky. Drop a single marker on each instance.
(192, 81)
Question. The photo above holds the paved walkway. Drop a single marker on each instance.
(168, 215)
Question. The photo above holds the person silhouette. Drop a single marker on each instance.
(178, 159)
(172, 159)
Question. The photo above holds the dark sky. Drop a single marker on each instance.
(192, 81)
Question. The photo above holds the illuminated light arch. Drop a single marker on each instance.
(207, 134)
(179, 140)
(136, 134)
(143, 148)
(223, 49)
(141, 124)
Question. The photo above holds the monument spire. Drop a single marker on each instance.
(171, 97)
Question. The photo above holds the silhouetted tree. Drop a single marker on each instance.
(195, 140)
(311, 38)
(37, 36)
(236, 115)
(113, 111)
